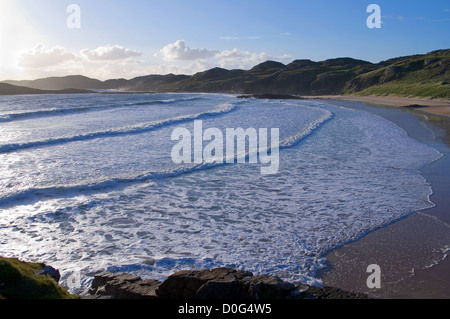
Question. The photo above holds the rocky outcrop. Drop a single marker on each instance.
(200, 284)
(49, 271)
(123, 286)
(270, 97)
(213, 284)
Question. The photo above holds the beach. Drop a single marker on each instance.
(147, 215)
(434, 106)
(412, 252)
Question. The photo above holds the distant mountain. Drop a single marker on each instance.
(60, 83)
(299, 77)
(8, 89)
(425, 75)
(152, 83)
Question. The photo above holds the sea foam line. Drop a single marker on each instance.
(75, 190)
(128, 130)
(10, 117)
(52, 192)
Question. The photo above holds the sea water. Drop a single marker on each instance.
(87, 184)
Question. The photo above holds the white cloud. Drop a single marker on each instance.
(240, 59)
(232, 55)
(104, 62)
(285, 58)
(40, 57)
(110, 52)
(230, 59)
(178, 51)
(116, 61)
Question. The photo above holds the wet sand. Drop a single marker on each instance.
(412, 252)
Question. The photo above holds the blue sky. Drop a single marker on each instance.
(139, 37)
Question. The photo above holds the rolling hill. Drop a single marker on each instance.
(424, 75)
(9, 89)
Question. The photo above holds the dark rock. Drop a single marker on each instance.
(185, 284)
(227, 288)
(215, 284)
(101, 279)
(271, 97)
(49, 271)
(311, 292)
(123, 286)
(266, 287)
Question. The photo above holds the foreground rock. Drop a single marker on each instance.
(123, 286)
(218, 283)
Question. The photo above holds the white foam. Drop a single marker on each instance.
(342, 173)
(128, 130)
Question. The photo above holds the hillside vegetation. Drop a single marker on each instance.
(424, 75)
(421, 75)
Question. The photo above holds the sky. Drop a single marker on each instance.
(124, 39)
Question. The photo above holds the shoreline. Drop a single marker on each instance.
(411, 252)
(437, 107)
(421, 235)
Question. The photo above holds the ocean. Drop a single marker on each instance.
(88, 183)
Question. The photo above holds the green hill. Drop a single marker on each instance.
(8, 89)
(60, 83)
(424, 75)
(420, 75)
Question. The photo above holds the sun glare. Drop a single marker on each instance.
(16, 36)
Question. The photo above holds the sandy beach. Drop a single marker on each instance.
(438, 107)
(413, 252)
